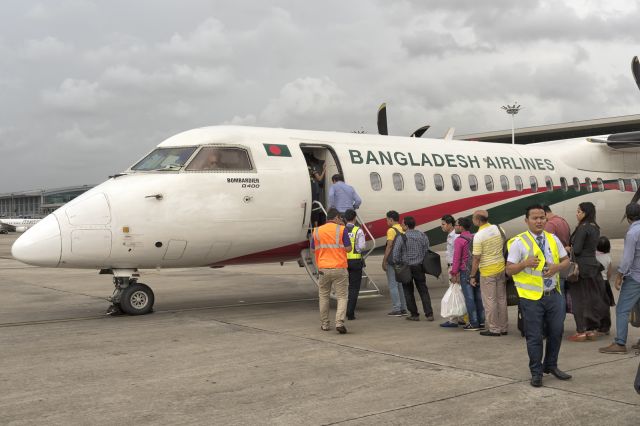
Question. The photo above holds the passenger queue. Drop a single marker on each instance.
(552, 270)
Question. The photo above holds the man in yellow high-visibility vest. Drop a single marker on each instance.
(355, 261)
(535, 259)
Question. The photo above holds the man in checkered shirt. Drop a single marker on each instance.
(410, 249)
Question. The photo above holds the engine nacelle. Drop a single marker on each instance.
(21, 228)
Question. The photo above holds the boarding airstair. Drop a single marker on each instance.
(368, 288)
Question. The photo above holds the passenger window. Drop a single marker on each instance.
(488, 182)
(420, 184)
(621, 185)
(519, 184)
(634, 185)
(398, 182)
(376, 181)
(165, 159)
(219, 158)
(473, 182)
(588, 184)
(534, 183)
(457, 183)
(564, 184)
(576, 184)
(549, 182)
(600, 185)
(504, 182)
(438, 181)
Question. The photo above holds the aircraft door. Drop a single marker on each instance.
(322, 163)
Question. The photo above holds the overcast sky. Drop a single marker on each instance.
(88, 87)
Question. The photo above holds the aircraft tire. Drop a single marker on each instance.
(137, 299)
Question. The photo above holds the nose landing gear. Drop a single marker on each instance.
(130, 297)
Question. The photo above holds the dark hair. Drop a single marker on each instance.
(632, 211)
(546, 208)
(392, 214)
(447, 218)
(604, 245)
(480, 218)
(465, 222)
(589, 210)
(332, 214)
(533, 207)
(349, 215)
(410, 222)
(337, 178)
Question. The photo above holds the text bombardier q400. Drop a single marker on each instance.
(230, 195)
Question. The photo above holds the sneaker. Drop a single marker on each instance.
(614, 348)
(449, 324)
(462, 323)
(341, 329)
(413, 318)
(395, 314)
(430, 317)
(482, 326)
(325, 327)
(489, 333)
(470, 327)
(404, 312)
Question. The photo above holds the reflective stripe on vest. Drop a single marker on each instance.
(353, 254)
(529, 282)
(328, 246)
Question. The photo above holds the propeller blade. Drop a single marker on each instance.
(635, 69)
(418, 133)
(382, 120)
(449, 135)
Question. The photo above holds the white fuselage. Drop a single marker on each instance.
(18, 224)
(175, 217)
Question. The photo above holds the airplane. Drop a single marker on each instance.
(230, 195)
(16, 225)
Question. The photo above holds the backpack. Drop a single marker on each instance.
(390, 260)
(505, 247)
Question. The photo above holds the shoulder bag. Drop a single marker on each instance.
(572, 273)
(402, 270)
(431, 264)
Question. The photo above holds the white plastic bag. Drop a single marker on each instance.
(452, 304)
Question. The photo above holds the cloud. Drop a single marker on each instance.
(75, 96)
(208, 41)
(48, 47)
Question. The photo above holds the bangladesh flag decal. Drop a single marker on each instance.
(275, 150)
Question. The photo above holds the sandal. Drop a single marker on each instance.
(578, 337)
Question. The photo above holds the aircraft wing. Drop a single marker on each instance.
(629, 140)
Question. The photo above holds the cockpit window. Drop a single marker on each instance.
(165, 159)
(219, 158)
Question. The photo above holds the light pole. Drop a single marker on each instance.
(512, 110)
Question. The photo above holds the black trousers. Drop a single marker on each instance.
(419, 280)
(548, 311)
(354, 267)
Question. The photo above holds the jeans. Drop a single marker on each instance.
(355, 279)
(473, 300)
(395, 290)
(420, 281)
(549, 311)
(629, 295)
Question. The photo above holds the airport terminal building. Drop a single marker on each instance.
(38, 203)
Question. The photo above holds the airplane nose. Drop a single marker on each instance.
(40, 245)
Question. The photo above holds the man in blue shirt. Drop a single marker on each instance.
(342, 197)
(628, 278)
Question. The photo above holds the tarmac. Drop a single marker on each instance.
(243, 345)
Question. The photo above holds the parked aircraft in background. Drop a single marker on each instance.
(16, 225)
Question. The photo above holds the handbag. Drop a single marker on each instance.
(512, 293)
(403, 272)
(431, 264)
(634, 315)
(572, 273)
